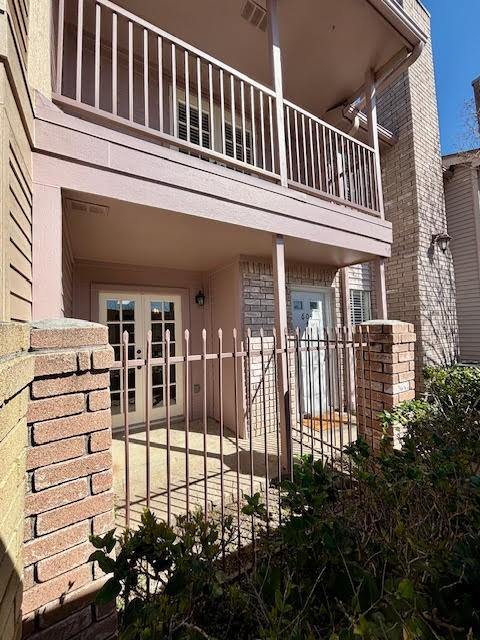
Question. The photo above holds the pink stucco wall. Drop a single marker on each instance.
(225, 313)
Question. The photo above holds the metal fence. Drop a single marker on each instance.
(228, 439)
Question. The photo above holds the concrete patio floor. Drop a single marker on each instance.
(233, 484)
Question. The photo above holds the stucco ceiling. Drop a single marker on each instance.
(143, 236)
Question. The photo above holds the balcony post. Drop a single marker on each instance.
(279, 285)
(378, 263)
(380, 288)
(277, 77)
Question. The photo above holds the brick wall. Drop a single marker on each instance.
(16, 371)
(259, 313)
(69, 481)
(257, 290)
(419, 279)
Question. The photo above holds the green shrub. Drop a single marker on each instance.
(390, 553)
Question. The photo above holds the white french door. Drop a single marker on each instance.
(311, 313)
(138, 313)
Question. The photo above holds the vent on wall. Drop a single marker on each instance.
(78, 206)
(255, 14)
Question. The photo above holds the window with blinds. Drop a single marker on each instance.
(194, 125)
(239, 152)
(360, 306)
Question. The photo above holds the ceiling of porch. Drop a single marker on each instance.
(129, 234)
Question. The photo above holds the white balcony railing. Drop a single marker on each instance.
(116, 65)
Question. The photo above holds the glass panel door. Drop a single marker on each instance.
(137, 314)
(311, 313)
(124, 312)
(164, 313)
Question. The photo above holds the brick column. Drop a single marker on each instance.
(384, 373)
(16, 371)
(69, 481)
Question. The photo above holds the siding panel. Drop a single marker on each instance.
(462, 226)
(19, 252)
(18, 13)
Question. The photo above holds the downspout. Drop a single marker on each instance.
(402, 67)
(389, 75)
(355, 125)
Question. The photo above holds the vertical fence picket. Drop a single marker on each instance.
(187, 419)
(146, 80)
(114, 64)
(220, 405)
(126, 426)
(237, 442)
(265, 427)
(186, 77)
(250, 424)
(277, 422)
(205, 421)
(160, 83)
(98, 27)
(174, 90)
(148, 407)
(79, 50)
(130, 71)
(298, 370)
(320, 393)
(168, 425)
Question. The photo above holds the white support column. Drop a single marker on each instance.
(378, 263)
(371, 108)
(380, 288)
(345, 291)
(280, 293)
(277, 77)
(47, 252)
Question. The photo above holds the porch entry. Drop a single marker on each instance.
(138, 313)
(312, 314)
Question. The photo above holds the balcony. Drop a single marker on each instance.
(126, 72)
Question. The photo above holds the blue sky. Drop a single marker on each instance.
(456, 46)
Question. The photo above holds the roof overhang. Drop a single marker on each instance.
(470, 157)
(401, 21)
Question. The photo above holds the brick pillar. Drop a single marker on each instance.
(384, 375)
(69, 481)
(16, 371)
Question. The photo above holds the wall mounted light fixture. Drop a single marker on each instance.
(200, 298)
(442, 239)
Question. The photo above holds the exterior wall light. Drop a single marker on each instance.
(442, 239)
(200, 298)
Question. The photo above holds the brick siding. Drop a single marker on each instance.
(419, 279)
(259, 313)
(69, 481)
(385, 374)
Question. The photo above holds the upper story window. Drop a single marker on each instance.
(194, 125)
(241, 149)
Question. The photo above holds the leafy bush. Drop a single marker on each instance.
(390, 553)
